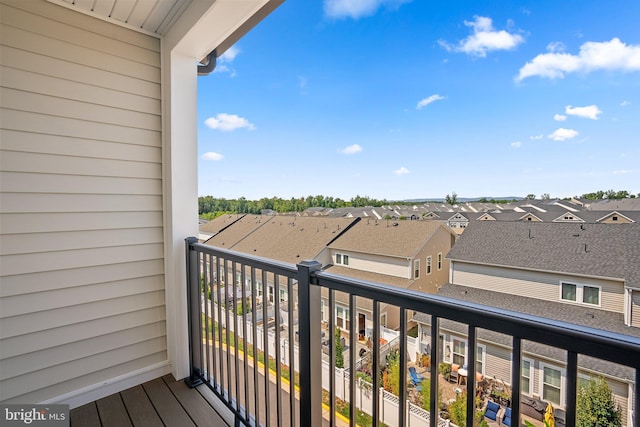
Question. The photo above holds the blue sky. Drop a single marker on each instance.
(402, 99)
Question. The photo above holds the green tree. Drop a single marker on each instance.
(451, 199)
(339, 350)
(530, 197)
(595, 405)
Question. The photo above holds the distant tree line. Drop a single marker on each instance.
(210, 207)
(609, 194)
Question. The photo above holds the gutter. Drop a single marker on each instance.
(208, 64)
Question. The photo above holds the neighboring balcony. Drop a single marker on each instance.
(260, 347)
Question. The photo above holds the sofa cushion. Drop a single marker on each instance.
(507, 417)
(492, 410)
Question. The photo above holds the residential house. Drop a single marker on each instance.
(99, 188)
(586, 274)
(406, 254)
(289, 239)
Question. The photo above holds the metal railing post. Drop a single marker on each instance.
(310, 351)
(194, 320)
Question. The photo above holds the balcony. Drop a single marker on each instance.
(233, 359)
(226, 351)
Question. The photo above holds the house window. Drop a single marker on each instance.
(322, 315)
(551, 384)
(481, 350)
(283, 295)
(440, 261)
(342, 318)
(614, 218)
(416, 268)
(342, 259)
(459, 351)
(383, 319)
(271, 294)
(428, 265)
(526, 379)
(583, 294)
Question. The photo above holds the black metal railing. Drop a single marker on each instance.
(257, 341)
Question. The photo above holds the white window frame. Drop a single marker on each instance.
(580, 293)
(342, 322)
(562, 382)
(483, 362)
(429, 264)
(416, 268)
(342, 259)
(439, 261)
(464, 351)
(531, 377)
(383, 319)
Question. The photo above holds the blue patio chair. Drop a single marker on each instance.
(492, 411)
(416, 378)
(507, 417)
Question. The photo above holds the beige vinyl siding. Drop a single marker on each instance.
(378, 264)
(635, 309)
(497, 361)
(81, 259)
(533, 284)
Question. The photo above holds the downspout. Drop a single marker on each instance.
(208, 64)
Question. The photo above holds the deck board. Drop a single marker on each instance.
(139, 407)
(169, 409)
(85, 416)
(196, 406)
(112, 411)
(162, 401)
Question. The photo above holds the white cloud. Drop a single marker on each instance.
(351, 149)
(623, 172)
(556, 47)
(625, 103)
(589, 112)
(611, 55)
(302, 82)
(559, 118)
(401, 171)
(536, 137)
(230, 54)
(356, 9)
(484, 38)
(228, 122)
(426, 101)
(516, 144)
(223, 61)
(562, 134)
(212, 156)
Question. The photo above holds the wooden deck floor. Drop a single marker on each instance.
(160, 402)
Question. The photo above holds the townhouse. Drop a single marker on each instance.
(587, 274)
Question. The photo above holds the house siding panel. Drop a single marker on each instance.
(378, 264)
(533, 284)
(635, 309)
(81, 263)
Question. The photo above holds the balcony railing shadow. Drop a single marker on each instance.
(271, 372)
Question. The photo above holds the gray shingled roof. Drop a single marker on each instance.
(599, 250)
(387, 237)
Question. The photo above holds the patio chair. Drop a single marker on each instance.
(453, 375)
(506, 421)
(492, 411)
(416, 378)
